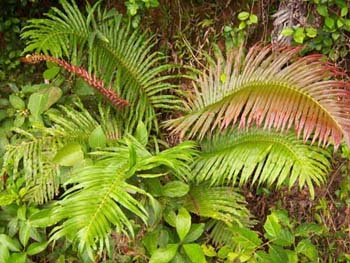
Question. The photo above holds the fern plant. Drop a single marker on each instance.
(246, 107)
(32, 155)
(123, 59)
(89, 221)
(273, 89)
(262, 157)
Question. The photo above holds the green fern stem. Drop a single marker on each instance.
(98, 84)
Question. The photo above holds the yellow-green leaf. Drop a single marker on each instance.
(69, 155)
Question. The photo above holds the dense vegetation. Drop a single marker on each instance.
(174, 131)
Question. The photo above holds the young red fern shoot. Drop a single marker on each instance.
(108, 93)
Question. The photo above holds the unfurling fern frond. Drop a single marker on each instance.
(33, 153)
(261, 157)
(219, 202)
(271, 88)
(122, 58)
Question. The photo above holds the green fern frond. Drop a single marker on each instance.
(220, 233)
(174, 161)
(261, 157)
(33, 153)
(97, 201)
(221, 203)
(96, 205)
(121, 57)
(272, 88)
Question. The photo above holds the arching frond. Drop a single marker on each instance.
(221, 203)
(271, 88)
(34, 152)
(100, 194)
(261, 157)
(96, 204)
(116, 54)
(175, 160)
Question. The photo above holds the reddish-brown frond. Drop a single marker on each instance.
(271, 88)
(91, 80)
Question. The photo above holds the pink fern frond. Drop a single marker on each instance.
(272, 88)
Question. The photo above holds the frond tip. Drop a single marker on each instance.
(271, 89)
(109, 94)
(262, 157)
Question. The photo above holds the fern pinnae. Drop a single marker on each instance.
(261, 157)
(122, 57)
(314, 105)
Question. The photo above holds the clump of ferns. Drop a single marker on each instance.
(32, 154)
(267, 117)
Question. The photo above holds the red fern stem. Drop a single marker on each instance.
(109, 94)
